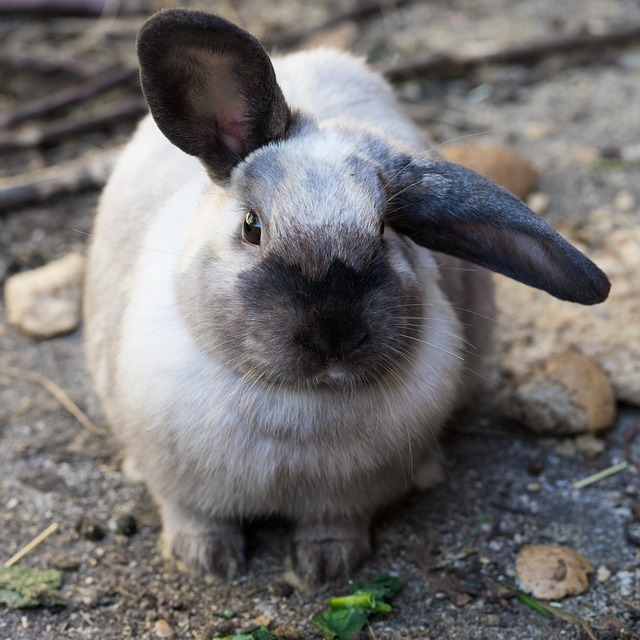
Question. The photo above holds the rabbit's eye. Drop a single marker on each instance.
(251, 228)
(381, 228)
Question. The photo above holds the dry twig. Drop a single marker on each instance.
(28, 548)
(363, 10)
(37, 186)
(32, 136)
(63, 7)
(59, 394)
(446, 65)
(68, 97)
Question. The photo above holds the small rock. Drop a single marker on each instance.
(552, 572)
(538, 202)
(342, 37)
(507, 167)
(162, 629)
(536, 131)
(261, 621)
(624, 202)
(603, 574)
(564, 393)
(626, 582)
(589, 445)
(565, 447)
(46, 302)
(64, 563)
(288, 632)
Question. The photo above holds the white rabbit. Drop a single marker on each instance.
(276, 301)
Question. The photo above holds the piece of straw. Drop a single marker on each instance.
(596, 477)
(59, 394)
(28, 548)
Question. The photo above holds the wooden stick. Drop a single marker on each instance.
(46, 60)
(63, 7)
(90, 171)
(363, 10)
(28, 548)
(33, 137)
(68, 97)
(446, 65)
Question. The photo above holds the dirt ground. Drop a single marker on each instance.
(576, 117)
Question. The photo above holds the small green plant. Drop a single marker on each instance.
(347, 615)
(256, 633)
(22, 587)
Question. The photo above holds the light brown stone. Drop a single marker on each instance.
(506, 166)
(46, 302)
(551, 572)
(564, 393)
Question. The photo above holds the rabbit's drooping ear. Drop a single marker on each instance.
(447, 208)
(210, 87)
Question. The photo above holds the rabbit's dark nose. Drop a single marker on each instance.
(334, 339)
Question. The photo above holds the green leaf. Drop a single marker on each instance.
(382, 587)
(261, 633)
(255, 633)
(22, 587)
(340, 624)
(531, 602)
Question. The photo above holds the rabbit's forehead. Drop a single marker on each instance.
(320, 182)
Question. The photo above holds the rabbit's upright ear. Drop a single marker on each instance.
(450, 209)
(210, 87)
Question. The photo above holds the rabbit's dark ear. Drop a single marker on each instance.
(450, 209)
(210, 87)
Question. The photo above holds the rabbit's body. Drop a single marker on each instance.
(307, 374)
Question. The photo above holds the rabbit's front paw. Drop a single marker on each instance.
(325, 553)
(215, 548)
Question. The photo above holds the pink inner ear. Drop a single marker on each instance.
(234, 132)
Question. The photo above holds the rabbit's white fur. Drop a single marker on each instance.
(216, 434)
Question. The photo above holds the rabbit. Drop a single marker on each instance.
(288, 294)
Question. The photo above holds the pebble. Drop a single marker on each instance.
(64, 562)
(589, 445)
(564, 393)
(162, 629)
(46, 302)
(626, 580)
(552, 572)
(505, 166)
(538, 202)
(624, 202)
(603, 574)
